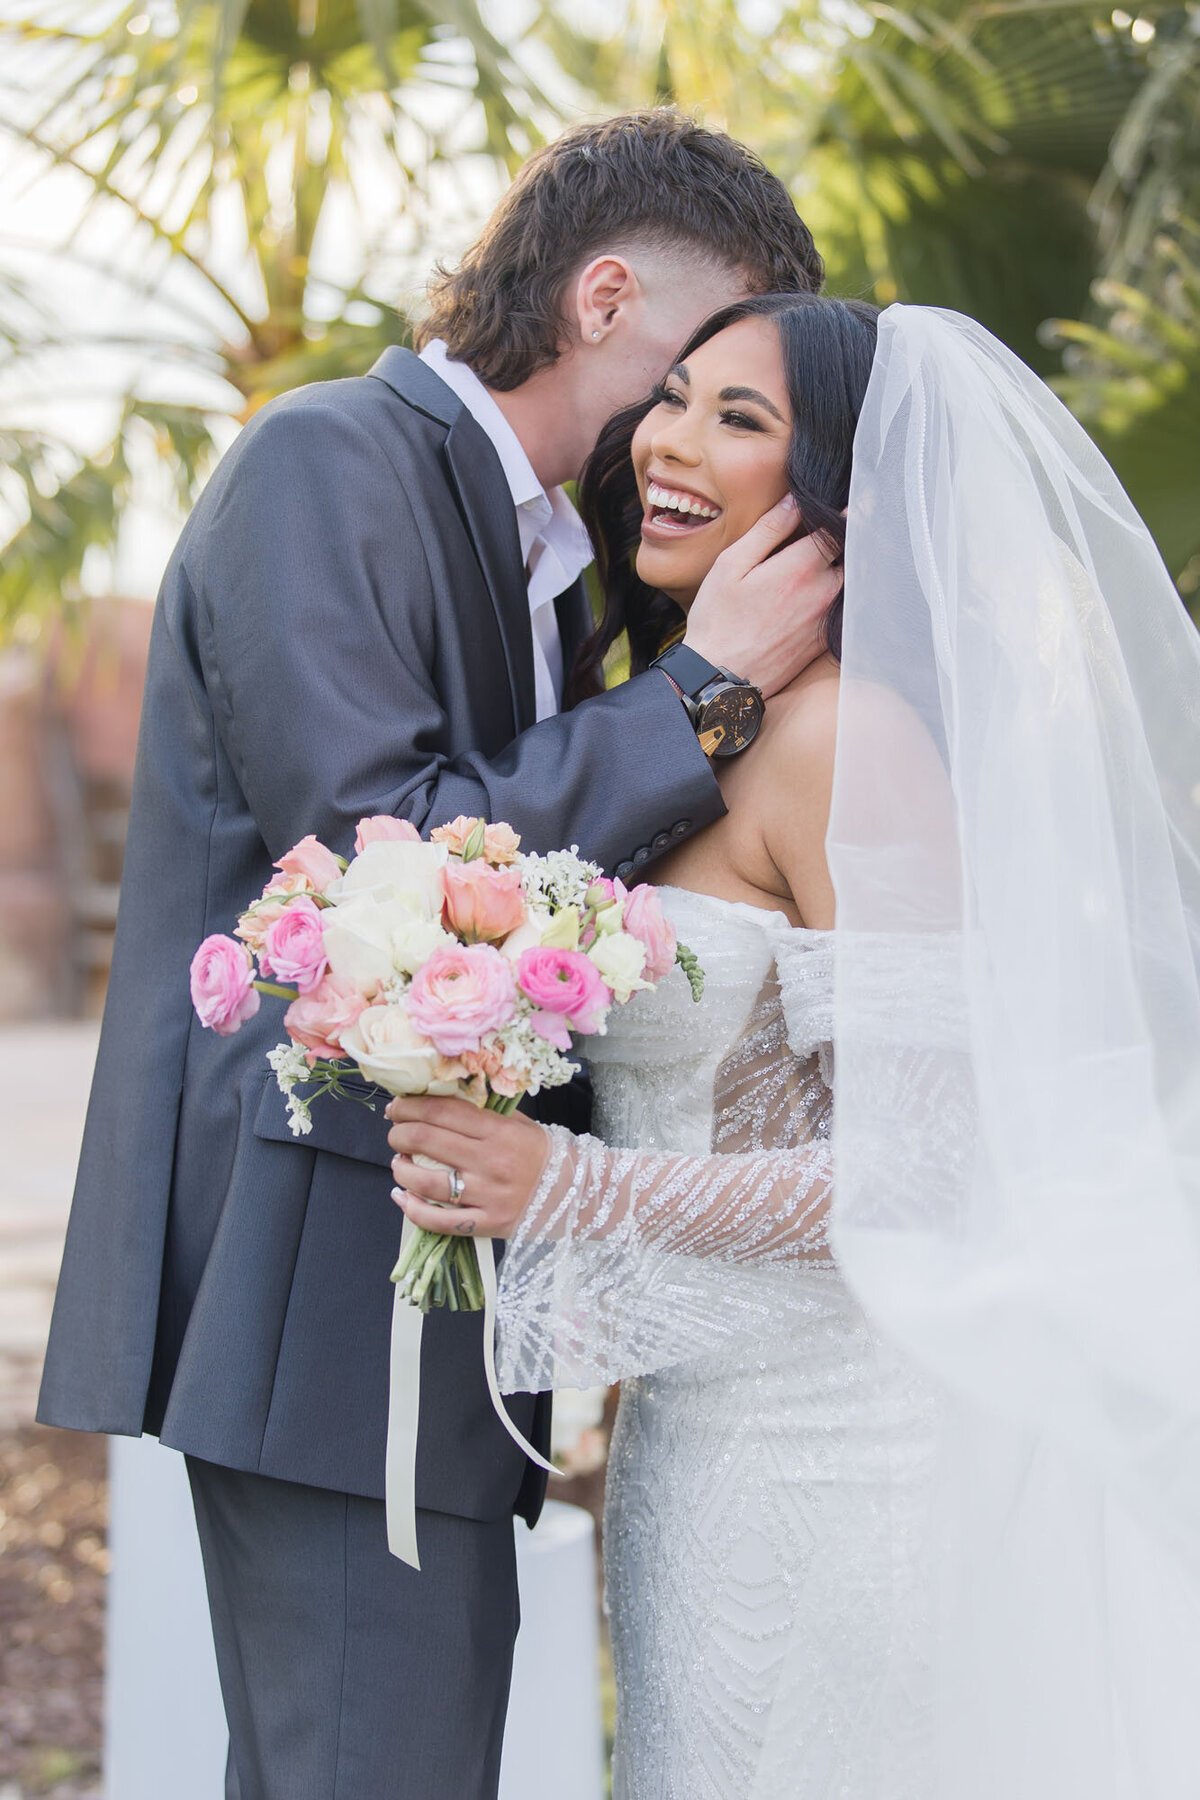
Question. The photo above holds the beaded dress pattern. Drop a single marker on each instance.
(766, 1500)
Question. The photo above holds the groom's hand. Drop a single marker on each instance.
(760, 614)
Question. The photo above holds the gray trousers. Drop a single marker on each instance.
(345, 1674)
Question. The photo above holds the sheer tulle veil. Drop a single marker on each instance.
(1016, 825)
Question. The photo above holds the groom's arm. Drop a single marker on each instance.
(317, 622)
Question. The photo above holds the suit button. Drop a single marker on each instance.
(623, 871)
(641, 856)
(662, 841)
(681, 828)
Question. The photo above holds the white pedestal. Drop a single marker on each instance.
(164, 1724)
(554, 1739)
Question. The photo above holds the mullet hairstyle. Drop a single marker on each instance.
(828, 347)
(653, 179)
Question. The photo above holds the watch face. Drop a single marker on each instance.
(729, 720)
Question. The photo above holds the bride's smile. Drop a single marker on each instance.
(711, 455)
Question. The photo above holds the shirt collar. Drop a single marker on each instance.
(549, 516)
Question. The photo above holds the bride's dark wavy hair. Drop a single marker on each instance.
(828, 347)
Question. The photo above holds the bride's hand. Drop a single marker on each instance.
(761, 609)
(499, 1159)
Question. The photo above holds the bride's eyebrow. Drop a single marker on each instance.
(746, 393)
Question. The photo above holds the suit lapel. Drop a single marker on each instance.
(575, 622)
(492, 522)
(487, 510)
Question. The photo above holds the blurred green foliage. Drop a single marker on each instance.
(1032, 162)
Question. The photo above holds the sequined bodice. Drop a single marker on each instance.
(747, 1067)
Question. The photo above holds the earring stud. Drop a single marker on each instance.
(595, 334)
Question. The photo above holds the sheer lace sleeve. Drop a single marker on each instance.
(630, 1260)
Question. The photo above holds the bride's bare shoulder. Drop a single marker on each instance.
(795, 780)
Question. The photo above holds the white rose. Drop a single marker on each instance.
(396, 869)
(369, 941)
(414, 941)
(359, 938)
(392, 1054)
(620, 958)
(527, 936)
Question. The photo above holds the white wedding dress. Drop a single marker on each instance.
(766, 1504)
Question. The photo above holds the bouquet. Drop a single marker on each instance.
(455, 966)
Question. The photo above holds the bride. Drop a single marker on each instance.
(904, 1494)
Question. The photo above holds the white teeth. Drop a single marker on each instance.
(681, 503)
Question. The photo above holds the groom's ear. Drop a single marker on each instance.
(603, 288)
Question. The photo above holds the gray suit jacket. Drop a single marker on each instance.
(343, 630)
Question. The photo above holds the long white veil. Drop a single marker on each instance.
(1016, 824)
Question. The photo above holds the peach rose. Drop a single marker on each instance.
(318, 1019)
(379, 828)
(482, 903)
(500, 842)
(319, 866)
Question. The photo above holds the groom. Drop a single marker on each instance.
(372, 610)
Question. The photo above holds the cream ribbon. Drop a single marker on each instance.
(404, 1403)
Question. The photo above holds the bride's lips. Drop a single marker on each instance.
(675, 512)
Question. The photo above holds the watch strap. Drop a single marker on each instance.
(689, 671)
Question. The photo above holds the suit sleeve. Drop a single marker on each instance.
(318, 626)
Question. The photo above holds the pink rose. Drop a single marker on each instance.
(568, 991)
(318, 1019)
(500, 842)
(380, 828)
(294, 947)
(319, 866)
(645, 920)
(222, 984)
(482, 903)
(253, 925)
(460, 995)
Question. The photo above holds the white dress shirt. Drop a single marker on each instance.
(554, 545)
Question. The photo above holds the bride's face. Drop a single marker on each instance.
(711, 455)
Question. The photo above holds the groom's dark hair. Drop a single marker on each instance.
(653, 178)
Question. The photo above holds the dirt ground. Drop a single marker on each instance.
(52, 1567)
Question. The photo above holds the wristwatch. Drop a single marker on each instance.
(725, 710)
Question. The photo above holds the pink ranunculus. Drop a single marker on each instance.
(566, 988)
(254, 924)
(294, 947)
(482, 904)
(319, 866)
(645, 920)
(318, 1019)
(379, 828)
(461, 994)
(222, 984)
